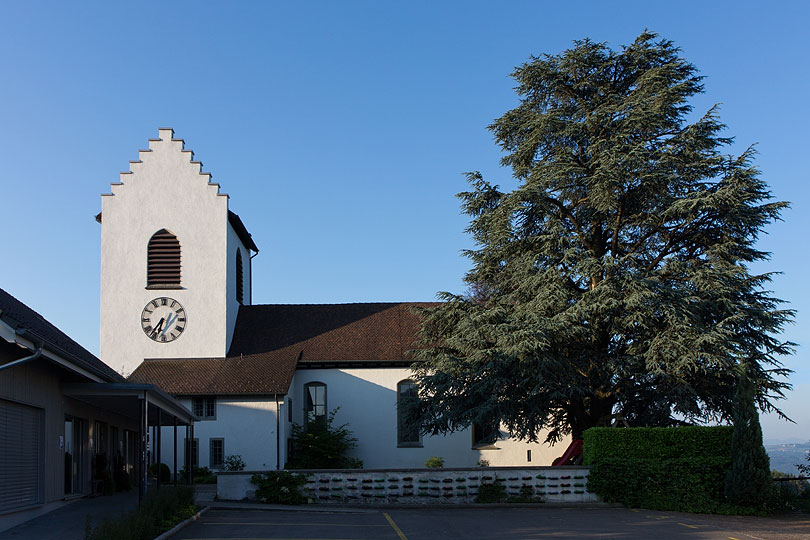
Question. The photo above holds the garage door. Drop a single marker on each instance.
(20, 451)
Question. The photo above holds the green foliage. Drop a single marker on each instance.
(279, 487)
(319, 444)
(434, 462)
(789, 495)
(606, 444)
(165, 472)
(804, 468)
(681, 469)
(615, 277)
(201, 475)
(489, 493)
(160, 511)
(748, 482)
(483, 463)
(233, 463)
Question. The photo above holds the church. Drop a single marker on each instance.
(177, 311)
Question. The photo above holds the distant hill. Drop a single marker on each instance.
(784, 457)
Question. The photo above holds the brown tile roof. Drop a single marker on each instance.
(35, 327)
(265, 373)
(270, 341)
(329, 333)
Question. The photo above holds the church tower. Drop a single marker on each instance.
(175, 261)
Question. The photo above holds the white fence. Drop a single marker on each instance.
(424, 486)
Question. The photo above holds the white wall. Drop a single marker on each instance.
(367, 399)
(164, 191)
(235, 243)
(247, 425)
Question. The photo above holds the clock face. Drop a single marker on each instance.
(163, 319)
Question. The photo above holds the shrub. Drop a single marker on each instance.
(434, 462)
(202, 475)
(491, 493)
(233, 463)
(483, 463)
(160, 511)
(165, 472)
(319, 444)
(681, 469)
(279, 487)
(748, 481)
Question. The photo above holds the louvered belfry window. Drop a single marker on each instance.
(163, 260)
(240, 288)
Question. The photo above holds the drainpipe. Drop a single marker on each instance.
(21, 360)
(278, 436)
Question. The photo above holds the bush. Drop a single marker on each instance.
(491, 493)
(233, 463)
(165, 472)
(318, 444)
(279, 487)
(160, 511)
(202, 475)
(681, 468)
(434, 462)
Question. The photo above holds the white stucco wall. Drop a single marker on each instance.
(234, 244)
(165, 190)
(247, 425)
(367, 399)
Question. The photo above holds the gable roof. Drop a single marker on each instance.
(329, 334)
(271, 341)
(30, 324)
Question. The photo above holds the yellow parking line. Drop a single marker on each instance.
(394, 526)
(732, 538)
(690, 526)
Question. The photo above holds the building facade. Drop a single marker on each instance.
(177, 311)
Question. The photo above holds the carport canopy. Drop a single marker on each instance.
(126, 399)
(147, 403)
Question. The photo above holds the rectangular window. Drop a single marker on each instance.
(484, 435)
(216, 453)
(289, 410)
(315, 394)
(205, 408)
(408, 423)
(195, 452)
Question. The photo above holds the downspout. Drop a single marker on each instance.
(278, 435)
(21, 360)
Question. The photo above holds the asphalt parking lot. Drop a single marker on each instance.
(489, 523)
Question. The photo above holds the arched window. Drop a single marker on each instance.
(240, 289)
(315, 396)
(408, 414)
(163, 260)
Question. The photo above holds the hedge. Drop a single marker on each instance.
(681, 469)
(601, 444)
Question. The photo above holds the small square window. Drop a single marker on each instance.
(205, 408)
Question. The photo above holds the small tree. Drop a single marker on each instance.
(319, 444)
(748, 482)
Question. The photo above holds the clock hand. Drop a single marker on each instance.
(169, 323)
(158, 327)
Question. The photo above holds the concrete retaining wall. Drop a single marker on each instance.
(423, 486)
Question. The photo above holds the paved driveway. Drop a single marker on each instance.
(490, 524)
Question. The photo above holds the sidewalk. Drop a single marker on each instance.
(69, 520)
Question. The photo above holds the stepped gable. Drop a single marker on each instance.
(257, 374)
(330, 334)
(33, 326)
(166, 136)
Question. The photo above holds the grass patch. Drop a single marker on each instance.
(159, 511)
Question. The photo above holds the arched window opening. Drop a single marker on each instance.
(163, 260)
(408, 418)
(240, 290)
(315, 396)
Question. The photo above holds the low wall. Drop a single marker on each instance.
(423, 486)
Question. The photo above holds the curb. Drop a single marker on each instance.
(180, 525)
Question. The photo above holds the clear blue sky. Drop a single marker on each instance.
(341, 131)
